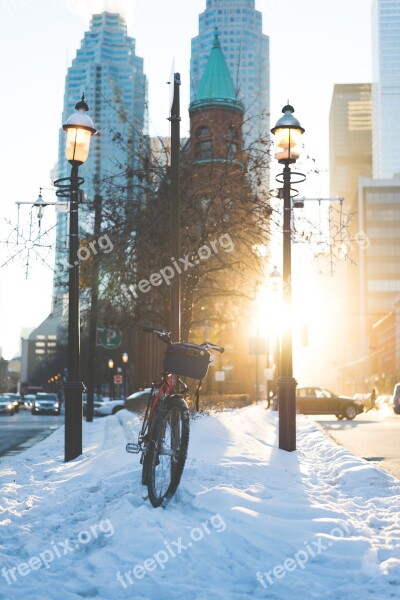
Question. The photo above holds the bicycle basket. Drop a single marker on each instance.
(186, 360)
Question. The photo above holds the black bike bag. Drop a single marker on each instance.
(186, 360)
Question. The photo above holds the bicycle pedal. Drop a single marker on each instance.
(132, 448)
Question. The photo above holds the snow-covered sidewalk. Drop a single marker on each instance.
(248, 520)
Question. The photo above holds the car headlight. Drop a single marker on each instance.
(56, 405)
(9, 406)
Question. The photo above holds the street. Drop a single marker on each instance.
(374, 436)
(24, 430)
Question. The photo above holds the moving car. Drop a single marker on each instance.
(16, 400)
(319, 401)
(138, 401)
(29, 399)
(46, 404)
(6, 406)
(396, 399)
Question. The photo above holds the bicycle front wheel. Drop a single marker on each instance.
(167, 456)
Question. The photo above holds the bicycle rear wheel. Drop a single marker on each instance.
(167, 456)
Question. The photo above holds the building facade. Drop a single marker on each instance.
(107, 69)
(377, 255)
(246, 50)
(350, 157)
(386, 88)
(350, 139)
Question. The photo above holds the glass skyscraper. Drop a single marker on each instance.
(107, 69)
(350, 139)
(386, 88)
(246, 50)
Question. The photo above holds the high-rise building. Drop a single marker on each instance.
(350, 154)
(350, 139)
(386, 88)
(107, 69)
(379, 218)
(246, 50)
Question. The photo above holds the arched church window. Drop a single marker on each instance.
(204, 144)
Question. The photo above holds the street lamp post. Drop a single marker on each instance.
(287, 133)
(125, 359)
(111, 367)
(79, 128)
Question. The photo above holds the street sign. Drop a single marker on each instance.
(109, 338)
(117, 379)
(219, 375)
(268, 374)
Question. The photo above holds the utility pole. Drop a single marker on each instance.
(175, 199)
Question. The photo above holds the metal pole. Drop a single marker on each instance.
(93, 312)
(73, 387)
(175, 319)
(286, 384)
(124, 376)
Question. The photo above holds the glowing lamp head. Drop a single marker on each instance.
(80, 129)
(125, 357)
(287, 132)
(39, 205)
(111, 363)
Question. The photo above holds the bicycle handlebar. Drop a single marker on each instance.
(206, 345)
(165, 336)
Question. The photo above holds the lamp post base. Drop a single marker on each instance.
(73, 391)
(287, 413)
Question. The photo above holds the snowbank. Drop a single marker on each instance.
(248, 521)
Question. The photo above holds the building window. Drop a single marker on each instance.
(232, 146)
(204, 150)
(232, 151)
(203, 132)
(204, 145)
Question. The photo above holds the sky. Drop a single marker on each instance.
(313, 45)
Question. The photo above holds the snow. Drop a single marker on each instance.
(248, 520)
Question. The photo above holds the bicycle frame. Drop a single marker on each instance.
(159, 391)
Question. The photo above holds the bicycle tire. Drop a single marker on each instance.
(145, 468)
(167, 456)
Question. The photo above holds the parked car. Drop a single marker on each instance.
(6, 406)
(97, 400)
(46, 403)
(138, 401)
(319, 401)
(396, 399)
(108, 407)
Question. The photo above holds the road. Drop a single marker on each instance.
(374, 436)
(24, 430)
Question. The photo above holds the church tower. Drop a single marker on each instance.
(216, 116)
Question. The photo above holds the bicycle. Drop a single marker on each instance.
(164, 437)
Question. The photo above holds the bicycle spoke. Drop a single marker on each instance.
(168, 451)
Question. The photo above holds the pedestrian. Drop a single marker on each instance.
(373, 399)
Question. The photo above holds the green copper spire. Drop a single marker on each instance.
(216, 86)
